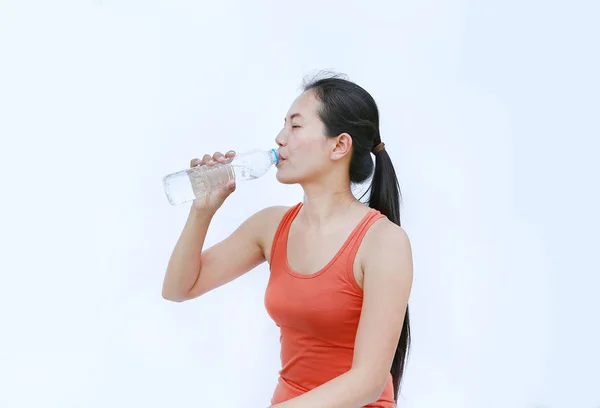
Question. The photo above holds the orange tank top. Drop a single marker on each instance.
(317, 314)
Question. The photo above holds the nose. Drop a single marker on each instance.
(280, 139)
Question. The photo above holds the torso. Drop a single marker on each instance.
(315, 294)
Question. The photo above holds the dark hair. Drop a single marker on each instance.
(346, 107)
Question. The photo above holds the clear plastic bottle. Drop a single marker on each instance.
(187, 185)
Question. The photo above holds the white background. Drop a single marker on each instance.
(489, 110)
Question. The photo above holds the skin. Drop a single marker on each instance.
(383, 267)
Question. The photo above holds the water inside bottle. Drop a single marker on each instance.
(205, 179)
(178, 188)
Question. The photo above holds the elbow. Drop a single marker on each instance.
(179, 295)
(373, 389)
(172, 296)
(374, 393)
(173, 299)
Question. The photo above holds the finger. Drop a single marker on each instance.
(230, 154)
(207, 159)
(218, 157)
(195, 162)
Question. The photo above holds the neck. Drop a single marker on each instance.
(323, 203)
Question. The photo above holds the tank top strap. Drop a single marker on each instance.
(359, 233)
(279, 245)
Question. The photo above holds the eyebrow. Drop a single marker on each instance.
(292, 116)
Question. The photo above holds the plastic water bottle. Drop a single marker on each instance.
(187, 185)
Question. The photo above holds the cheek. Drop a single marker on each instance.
(297, 147)
(306, 151)
(305, 147)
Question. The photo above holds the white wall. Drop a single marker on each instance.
(489, 110)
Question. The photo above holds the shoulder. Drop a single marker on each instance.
(267, 218)
(265, 223)
(269, 215)
(387, 250)
(385, 233)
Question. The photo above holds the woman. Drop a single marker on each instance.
(341, 272)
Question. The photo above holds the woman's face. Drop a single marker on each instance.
(304, 148)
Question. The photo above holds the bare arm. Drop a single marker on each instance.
(193, 271)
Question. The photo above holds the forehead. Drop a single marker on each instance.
(305, 104)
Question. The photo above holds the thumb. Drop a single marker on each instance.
(226, 190)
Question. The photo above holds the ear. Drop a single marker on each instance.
(342, 146)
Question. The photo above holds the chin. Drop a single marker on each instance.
(284, 178)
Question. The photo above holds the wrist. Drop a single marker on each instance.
(201, 213)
